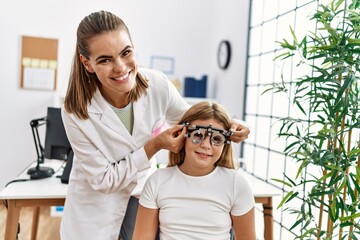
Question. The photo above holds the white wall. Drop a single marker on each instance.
(231, 23)
(187, 30)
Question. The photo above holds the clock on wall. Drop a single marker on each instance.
(224, 54)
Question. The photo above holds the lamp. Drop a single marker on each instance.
(39, 172)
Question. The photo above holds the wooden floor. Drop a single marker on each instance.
(48, 226)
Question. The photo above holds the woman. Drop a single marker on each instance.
(200, 195)
(113, 115)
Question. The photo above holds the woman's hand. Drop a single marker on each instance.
(240, 132)
(171, 139)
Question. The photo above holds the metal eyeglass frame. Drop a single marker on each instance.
(209, 131)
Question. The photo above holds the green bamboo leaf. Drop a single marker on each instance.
(346, 84)
(297, 131)
(327, 156)
(321, 193)
(290, 180)
(329, 174)
(337, 5)
(342, 205)
(325, 89)
(286, 44)
(355, 182)
(296, 224)
(333, 211)
(300, 169)
(322, 119)
(354, 153)
(299, 90)
(354, 41)
(284, 199)
(303, 45)
(300, 107)
(336, 179)
(308, 232)
(292, 196)
(353, 236)
(281, 181)
(306, 224)
(291, 145)
(294, 36)
(298, 154)
(351, 193)
(266, 90)
(283, 56)
(350, 217)
(334, 168)
(346, 224)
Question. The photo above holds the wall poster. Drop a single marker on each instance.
(38, 63)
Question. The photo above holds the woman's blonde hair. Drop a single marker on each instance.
(203, 111)
(82, 84)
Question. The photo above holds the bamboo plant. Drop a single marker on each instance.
(325, 144)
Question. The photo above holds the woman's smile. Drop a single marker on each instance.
(123, 77)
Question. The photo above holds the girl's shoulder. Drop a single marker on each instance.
(165, 171)
(234, 174)
(227, 171)
(162, 174)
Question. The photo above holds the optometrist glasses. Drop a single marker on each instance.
(197, 134)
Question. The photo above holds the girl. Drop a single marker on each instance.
(200, 195)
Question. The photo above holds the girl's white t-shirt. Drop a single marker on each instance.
(197, 207)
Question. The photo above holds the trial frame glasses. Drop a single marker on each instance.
(198, 133)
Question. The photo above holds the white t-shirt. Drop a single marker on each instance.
(197, 207)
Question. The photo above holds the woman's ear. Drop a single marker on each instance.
(86, 63)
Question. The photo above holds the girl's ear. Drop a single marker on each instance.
(86, 63)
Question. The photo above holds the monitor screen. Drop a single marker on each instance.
(57, 145)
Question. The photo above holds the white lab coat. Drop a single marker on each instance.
(109, 162)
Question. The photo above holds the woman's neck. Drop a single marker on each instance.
(116, 99)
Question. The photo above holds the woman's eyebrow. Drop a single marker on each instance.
(102, 56)
(126, 48)
(107, 56)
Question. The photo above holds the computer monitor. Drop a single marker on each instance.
(57, 145)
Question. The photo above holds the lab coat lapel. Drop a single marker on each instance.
(139, 118)
(108, 117)
(139, 108)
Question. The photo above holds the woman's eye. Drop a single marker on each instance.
(104, 61)
(127, 52)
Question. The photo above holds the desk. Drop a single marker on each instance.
(263, 194)
(35, 193)
(51, 192)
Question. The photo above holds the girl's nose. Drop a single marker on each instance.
(206, 143)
